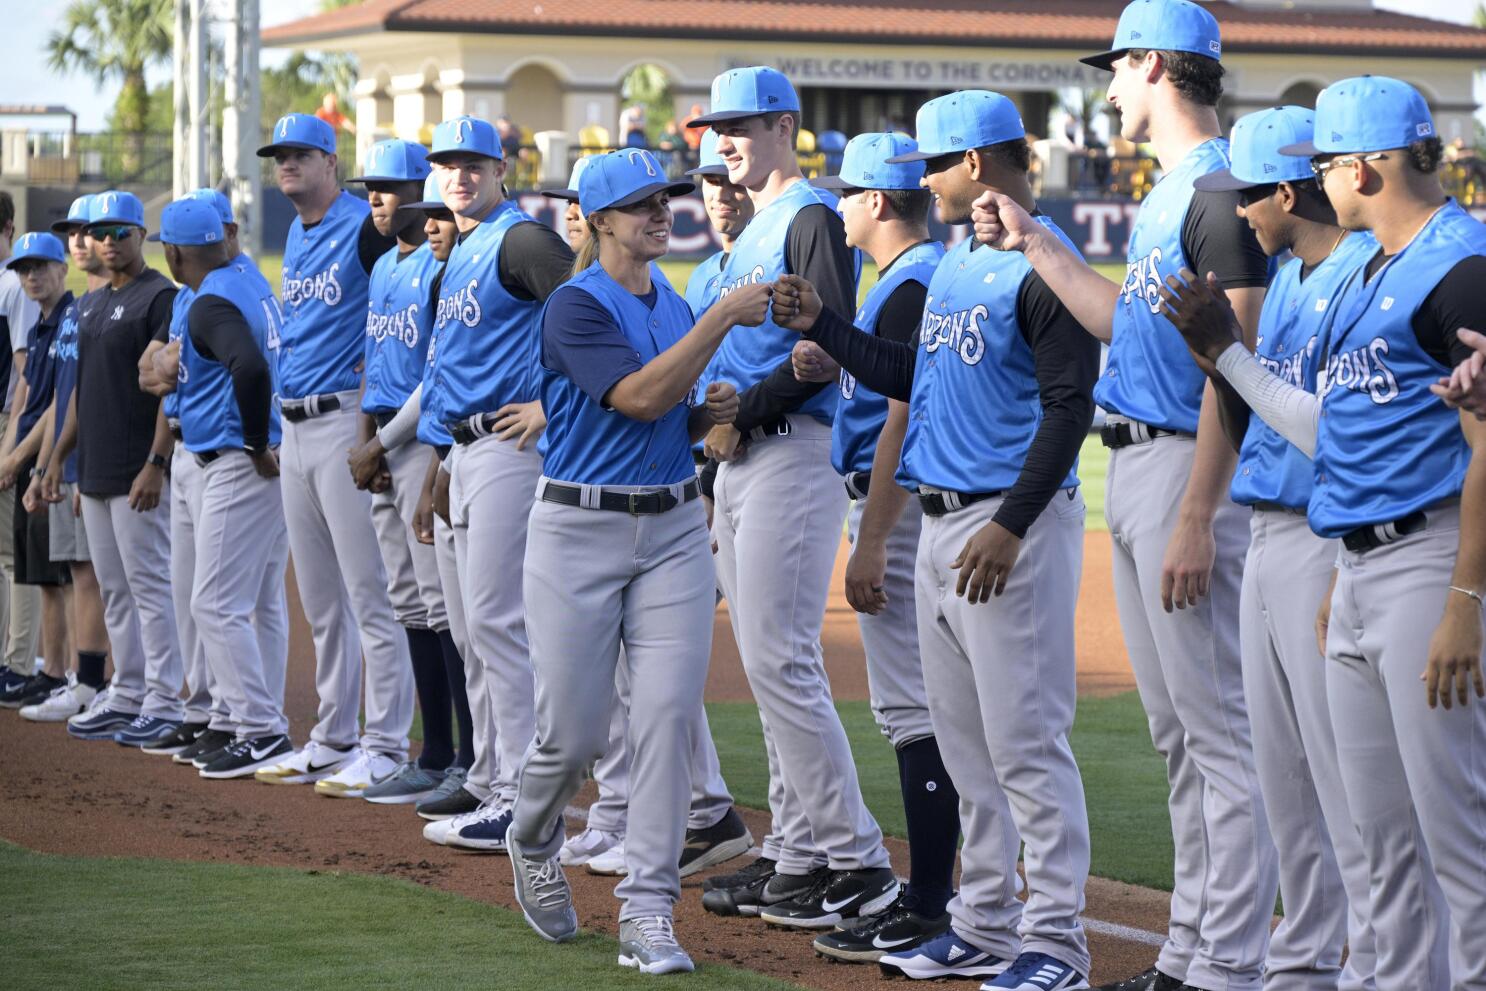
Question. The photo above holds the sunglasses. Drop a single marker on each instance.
(1321, 168)
(119, 232)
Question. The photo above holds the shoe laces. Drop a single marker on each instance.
(140, 721)
(656, 933)
(547, 882)
(875, 924)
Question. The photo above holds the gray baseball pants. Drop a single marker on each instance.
(412, 571)
(1187, 667)
(1001, 689)
(590, 576)
(1323, 873)
(131, 557)
(343, 588)
(777, 522)
(230, 571)
(491, 487)
(1415, 777)
(482, 771)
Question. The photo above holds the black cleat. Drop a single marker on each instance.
(835, 897)
(897, 929)
(1150, 980)
(716, 844)
(741, 893)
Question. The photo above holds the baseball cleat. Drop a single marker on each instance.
(1037, 972)
(896, 929)
(739, 893)
(483, 830)
(1149, 980)
(544, 896)
(315, 762)
(610, 863)
(834, 897)
(947, 955)
(61, 705)
(404, 786)
(245, 757)
(145, 730)
(360, 774)
(717, 844)
(579, 850)
(185, 734)
(649, 945)
(206, 748)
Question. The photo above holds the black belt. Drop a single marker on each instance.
(858, 483)
(299, 410)
(1127, 432)
(941, 503)
(1366, 538)
(204, 458)
(472, 428)
(634, 503)
(443, 450)
(1276, 507)
(774, 428)
(383, 419)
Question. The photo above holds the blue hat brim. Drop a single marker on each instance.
(1304, 149)
(66, 226)
(1224, 181)
(15, 260)
(560, 193)
(1104, 60)
(645, 192)
(112, 222)
(267, 151)
(717, 170)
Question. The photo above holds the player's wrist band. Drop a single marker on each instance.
(38, 471)
(158, 460)
(1469, 592)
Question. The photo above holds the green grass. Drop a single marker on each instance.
(1124, 779)
(1093, 466)
(83, 924)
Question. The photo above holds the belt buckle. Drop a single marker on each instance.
(634, 508)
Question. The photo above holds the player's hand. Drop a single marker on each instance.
(77, 504)
(423, 516)
(167, 368)
(441, 496)
(723, 443)
(32, 497)
(51, 483)
(1201, 313)
(1188, 566)
(796, 304)
(1001, 223)
(986, 562)
(366, 461)
(747, 306)
(866, 573)
(1465, 387)
(9, 467)
(1455, 655)
(812, 364)
(144, 493)
(1323, 616)
(722, 402)
(265, 462)
(522, 422)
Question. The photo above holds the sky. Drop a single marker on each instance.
(25, 78)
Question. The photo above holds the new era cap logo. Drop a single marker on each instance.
(1135, 35)
(955, 139)
(1424, 130)
(1270, 168)
(868, 176)
(773, 99)
(1335, 136)
(1215, 47)
(459, 126)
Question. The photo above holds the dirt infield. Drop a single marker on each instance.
(96, 799)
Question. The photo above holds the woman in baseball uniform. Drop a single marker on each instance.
(619, 360)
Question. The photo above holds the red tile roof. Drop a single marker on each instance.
(1083, 24)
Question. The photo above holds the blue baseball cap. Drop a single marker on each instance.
(957, 122)
(570, 191)
(1254, 150)
(620, 178)
(1363, 114)
(433, 197)
(865, 164)
(395, 160)
(300, 131)
(189, 220)
(115, 207)
(465, 135)
(77, 216)
(37, 246)
(218, 201)
(748, 92)
(709, 162)
(1164, 26)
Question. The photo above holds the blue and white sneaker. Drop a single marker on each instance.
(11, 681)
(1037, 972)
(100, 721)
(483, 829)
(146, 730)
(945, 956)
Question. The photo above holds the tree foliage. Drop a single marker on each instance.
(115, 41)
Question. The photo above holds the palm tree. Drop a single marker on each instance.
(116, 40)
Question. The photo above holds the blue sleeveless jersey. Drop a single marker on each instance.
(861, 412)
(747, 356)
(398, 319)
(589, 445)
(1149, 375)
(484, 352)
(324, 291)
(1386, 444)
(184, 297)
(210, 419)
(1291, 329)
(975, 405)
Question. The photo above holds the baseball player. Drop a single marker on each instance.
(620, 358)
(481, 387)
(397, 323)
(884, 213)
(1322, 868)
(122, 445)
(729, 209)
(1178, 538)
(228, 424)
(778, 512)
(999, 556)
(1398, 478)
(332, 247)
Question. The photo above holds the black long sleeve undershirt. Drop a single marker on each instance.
(1066, 361)
(219, 333)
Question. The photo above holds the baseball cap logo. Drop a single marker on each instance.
(1269, 168)
(1335, 136)
(639, 156)
(1215, 47)
(284, 126)
(1424, 130)
(955, 139)
(773, 99)
(1135, 36)
(106, 203)
(459, 129)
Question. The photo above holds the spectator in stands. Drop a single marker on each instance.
(510, 137)
(632, 127)
(330, 113)
(693, 135)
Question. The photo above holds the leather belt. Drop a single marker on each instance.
(299, 410)
(1366, 538)
(635, 503)
(1127, 432)
(858, 483)
(471, 428)
(382, 419)
(774, 428)
(943, 503)
(204, 458)
(1277, 507)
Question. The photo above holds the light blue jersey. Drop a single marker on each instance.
(398, 320)
(324, 291)
(209, 414)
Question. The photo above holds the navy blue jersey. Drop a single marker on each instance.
(41, 362)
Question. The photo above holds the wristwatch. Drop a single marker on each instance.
(158, 460)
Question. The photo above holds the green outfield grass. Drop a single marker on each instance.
(84, 924)
(1124, 779)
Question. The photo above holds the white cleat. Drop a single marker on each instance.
(610, 863)
(62, 704)
(314, 762)
(357, 776)
(580, 849)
